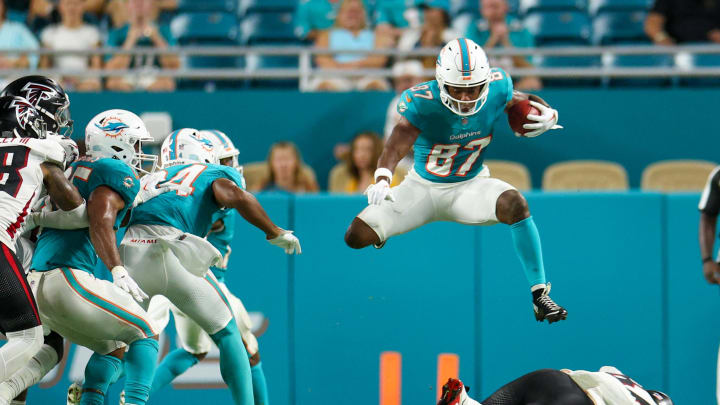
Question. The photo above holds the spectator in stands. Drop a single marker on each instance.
(678, 21)
(117, 9)
(286, 172)
(351, 31)
(356, 173)
(312, 16)
(434, 32)
(15, 35)
(497, 29)
(405, 75)
(72, 34)
(141, 31)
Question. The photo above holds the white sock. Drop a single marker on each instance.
(537, 287)
(43, 361)
(18, 350)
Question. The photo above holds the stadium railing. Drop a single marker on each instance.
(682, 66)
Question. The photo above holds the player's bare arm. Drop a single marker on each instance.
(706, 236)
(229, 195)
(402, 139)
(103, 207)
(62, 192)
(520, 96)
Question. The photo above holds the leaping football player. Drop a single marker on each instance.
(449, 122)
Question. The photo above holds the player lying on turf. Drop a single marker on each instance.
(449, 121)
(608, 386)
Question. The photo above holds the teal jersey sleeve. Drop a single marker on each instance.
(116, 175)
(73, 248)
(501, 85)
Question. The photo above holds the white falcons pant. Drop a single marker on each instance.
(419, 201)
(158, 271)
(192, 338)
(89, 311)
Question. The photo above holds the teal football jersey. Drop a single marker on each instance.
(190, 209)
(73, 248)
(221, 240)
(450, 147)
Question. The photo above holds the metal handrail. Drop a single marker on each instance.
(305, 70)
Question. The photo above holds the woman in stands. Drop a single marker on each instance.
(351, 31)
(286, 172)
(356, 173)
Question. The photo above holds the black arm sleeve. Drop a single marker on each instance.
(710, 199)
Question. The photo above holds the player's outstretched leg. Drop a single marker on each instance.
(234, 366)
(174, 364)
(15, 388)
(360, 235)
(512, 209)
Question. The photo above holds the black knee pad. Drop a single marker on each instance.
(55, 341)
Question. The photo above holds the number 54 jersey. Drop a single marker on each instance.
(191, 208)
(21, 180)
(450, 147)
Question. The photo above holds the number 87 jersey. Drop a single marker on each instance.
(450, 147)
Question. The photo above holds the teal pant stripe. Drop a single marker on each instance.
(219, 291)
(107, 305)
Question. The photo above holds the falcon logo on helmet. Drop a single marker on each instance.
(34, 92)
(463, 64)
(23, 111)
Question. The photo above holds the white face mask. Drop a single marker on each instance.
(461, 107)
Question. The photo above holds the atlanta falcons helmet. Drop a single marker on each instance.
(48, 97)
(19, 119)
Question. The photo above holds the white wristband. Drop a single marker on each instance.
(383, 172)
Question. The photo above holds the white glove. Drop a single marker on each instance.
(547, 120)
(379, 192)
(150, 189)
(287, 241)
(122, 279)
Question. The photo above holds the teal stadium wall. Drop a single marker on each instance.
(625, 265)
(632, 127)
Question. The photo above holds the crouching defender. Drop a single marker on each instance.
(449, 121)
(608, 386)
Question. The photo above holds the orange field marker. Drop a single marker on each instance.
(448, 366)
(390, 378)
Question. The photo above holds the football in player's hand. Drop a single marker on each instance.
(517, 116)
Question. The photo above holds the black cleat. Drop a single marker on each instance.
(546, 308)
(380, 245)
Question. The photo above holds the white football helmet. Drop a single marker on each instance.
(119, 134)
(187, 145)
(224, 147)
(462, 63)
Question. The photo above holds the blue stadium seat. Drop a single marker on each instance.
(619, 26)
(206, 5)
(268, 28)
(246, 7)
(559, 27)
(638, 61)
(255, 62)
(599, 6)
(688, 62)
(458, 7)
(206, 28)
(569, 62)
(530, 6)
